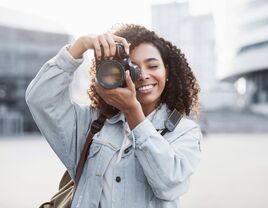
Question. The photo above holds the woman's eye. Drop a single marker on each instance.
(153, 67)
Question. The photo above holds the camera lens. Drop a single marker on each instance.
(110, 74)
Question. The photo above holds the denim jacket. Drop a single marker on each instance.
(153, 173)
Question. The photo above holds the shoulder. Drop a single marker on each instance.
(186, 124)
(186, 127)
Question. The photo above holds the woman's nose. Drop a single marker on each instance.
(143, 75)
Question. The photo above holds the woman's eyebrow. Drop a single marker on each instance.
(148, 60)
(151, 59)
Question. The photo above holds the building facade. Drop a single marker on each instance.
(194, 35)
(22, 52)
(247, 45)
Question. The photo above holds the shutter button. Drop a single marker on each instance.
(118, 179)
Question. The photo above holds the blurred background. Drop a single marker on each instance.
(226, 44)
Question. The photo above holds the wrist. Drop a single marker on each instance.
(136, 107)
(77, 49)
(134, 115)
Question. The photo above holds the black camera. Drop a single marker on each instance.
(111, 73)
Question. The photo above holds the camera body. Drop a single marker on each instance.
(111, 73)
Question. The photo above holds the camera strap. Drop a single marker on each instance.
(172, 121)
(170, 124)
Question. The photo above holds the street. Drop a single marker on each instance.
(232, 174)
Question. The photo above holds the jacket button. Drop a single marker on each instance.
(118, 179)
(126, 150)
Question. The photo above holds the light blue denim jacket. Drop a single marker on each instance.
(154, 174)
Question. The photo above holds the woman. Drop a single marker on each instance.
(130, 163)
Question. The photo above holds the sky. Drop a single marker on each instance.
(81, 17)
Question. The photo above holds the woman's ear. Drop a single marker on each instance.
(167, 73)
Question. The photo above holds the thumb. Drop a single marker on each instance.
(129, 81)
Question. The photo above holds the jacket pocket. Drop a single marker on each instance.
(94, 149)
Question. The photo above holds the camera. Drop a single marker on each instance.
(111, 73)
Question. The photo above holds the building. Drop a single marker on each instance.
(244, 51)
(194, 35)
(26, 44)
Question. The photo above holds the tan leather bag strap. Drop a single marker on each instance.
(95, 127)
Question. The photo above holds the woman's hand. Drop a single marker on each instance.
(107, 40)
(125, 100)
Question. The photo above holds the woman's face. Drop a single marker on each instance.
(153, 75)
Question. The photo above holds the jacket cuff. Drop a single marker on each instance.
(65, 61)
(143, 131)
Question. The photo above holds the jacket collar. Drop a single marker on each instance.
(159, 116)
(119, 117)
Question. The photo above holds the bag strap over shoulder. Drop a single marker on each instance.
(95, 128)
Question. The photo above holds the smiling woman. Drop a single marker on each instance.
(136, 160)
(164, 69)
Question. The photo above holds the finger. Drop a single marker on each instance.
(129, 81)
(103, 91)
(96, 85)
(123, 41)
(97, 48)
(111, 43)
(100, 91)
(105, 45)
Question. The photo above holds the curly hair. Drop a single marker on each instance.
(182, 89)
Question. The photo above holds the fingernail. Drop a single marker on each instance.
(127, 50)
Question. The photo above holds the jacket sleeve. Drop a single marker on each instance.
(168, 162)
(56, 116)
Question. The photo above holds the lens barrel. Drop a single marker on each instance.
(111, 73)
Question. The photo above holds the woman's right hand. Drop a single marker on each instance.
(107, 40)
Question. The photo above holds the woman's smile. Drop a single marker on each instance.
(146, 89)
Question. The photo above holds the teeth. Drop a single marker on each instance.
(147, 87)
